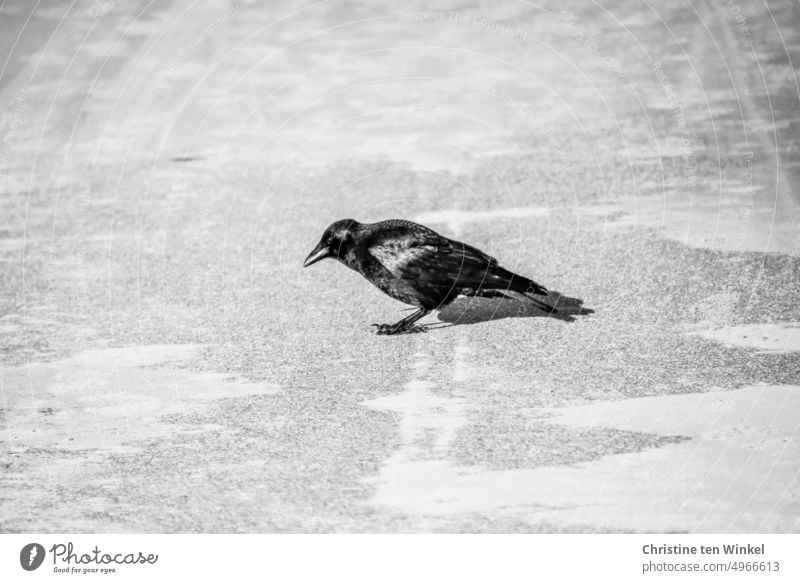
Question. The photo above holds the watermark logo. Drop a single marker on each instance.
(31, 556)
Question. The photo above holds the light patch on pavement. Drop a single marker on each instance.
(459, 217)
(12, 244)
(107, 399)
(423, 416)
(738, 473)
(455, 218)
(781, 337)
(422, 412)
(705, 221)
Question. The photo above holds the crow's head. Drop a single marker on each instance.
(335, 242)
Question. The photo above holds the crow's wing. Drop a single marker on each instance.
(436, 266)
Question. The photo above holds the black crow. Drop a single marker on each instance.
(418, 266)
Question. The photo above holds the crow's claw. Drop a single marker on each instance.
(388, 329)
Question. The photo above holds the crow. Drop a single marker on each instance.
(418, 266)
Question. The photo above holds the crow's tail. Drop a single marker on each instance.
(530, 289)
(546, 307)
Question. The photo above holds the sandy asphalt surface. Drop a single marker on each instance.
(168, 366)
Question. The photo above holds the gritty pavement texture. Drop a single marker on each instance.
(168, 366)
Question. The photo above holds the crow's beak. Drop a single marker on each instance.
(321, 251)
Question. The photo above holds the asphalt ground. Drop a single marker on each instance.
(168, 366)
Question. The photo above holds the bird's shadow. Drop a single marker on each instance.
(473, 310)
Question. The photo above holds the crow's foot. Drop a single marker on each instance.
(387, 329)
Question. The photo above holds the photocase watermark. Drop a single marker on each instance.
(746, 209)
(520, 108)
(489, 24)
(31, 556)
(11, 120)
(163, 78)
(690, 166)
(570, 22)
(102, 7)
(65, 559)
(741, 21)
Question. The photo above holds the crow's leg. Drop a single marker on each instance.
(404, 326)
